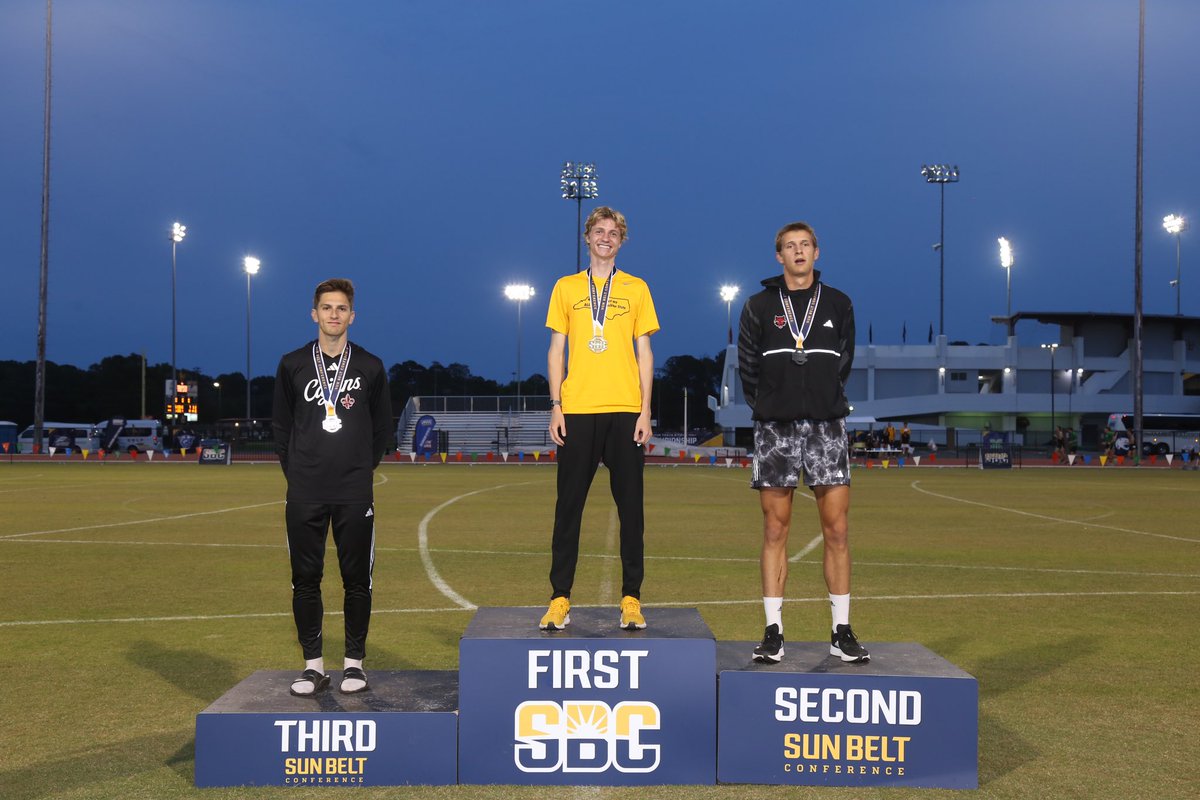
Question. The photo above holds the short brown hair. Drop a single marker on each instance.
(343, 285)
(791, 227)
(604, 212)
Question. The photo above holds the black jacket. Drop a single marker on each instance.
(326, 467)
(778, 390)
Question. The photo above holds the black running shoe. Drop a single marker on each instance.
(844, 644)
(771, 649)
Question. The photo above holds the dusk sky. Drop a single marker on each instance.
(415, 147)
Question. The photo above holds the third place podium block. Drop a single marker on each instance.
(591, 705)
(906, 718)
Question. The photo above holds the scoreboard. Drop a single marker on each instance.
(181, 399)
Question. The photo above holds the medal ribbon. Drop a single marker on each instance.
(800, 333)
(330, 391)
(600, 304)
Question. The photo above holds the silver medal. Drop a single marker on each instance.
(597, 344)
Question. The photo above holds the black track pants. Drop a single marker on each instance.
(592, 438)
(354, 536)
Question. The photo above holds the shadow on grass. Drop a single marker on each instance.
(118, 761)
(194, 672)
(1002, 749)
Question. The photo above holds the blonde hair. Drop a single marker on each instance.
(604, 212)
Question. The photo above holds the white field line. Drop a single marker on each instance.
(916, 486)
(671, 604)
(142, 521)
(715, 559)
(890, 598)
(808, 548)
(423, 545)
(609, 566)
(209, 617)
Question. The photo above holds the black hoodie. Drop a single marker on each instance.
(777, 389)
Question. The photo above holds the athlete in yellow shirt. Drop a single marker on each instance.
(600, 323)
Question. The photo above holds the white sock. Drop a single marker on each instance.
(307, 686)
(773, 606)
(352, 684)
(839, 604)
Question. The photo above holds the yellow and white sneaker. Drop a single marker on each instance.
(558, 616)
(631, 614)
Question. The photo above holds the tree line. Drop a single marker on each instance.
(114, 387)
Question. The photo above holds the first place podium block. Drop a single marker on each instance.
(591, 705)
(403, 730)
(907, 717)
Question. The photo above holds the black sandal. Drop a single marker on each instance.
(353, 673)
(319, 681)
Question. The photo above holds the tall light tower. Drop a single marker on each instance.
(1176, 224)
(178, 232)
(519, 292)
(251, 265)
(578, 183)
(1006, 261)
(1051, 348)
(941, 174)
(728, 292)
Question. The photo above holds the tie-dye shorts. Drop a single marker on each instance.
(784, 450)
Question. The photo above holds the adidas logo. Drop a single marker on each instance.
(371, 511)
(332, 367)
(828, 324)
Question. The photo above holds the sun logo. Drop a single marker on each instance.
(585, 736)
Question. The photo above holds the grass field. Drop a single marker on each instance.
(133, 595)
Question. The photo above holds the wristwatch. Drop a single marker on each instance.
(556, 402)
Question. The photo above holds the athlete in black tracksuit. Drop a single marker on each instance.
(328, 452)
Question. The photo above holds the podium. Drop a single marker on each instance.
(907, 717)
(404, 730)
(597, 705)
(590, 705)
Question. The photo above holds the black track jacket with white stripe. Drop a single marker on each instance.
(778, 390)
(323, 467)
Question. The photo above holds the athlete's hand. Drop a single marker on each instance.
(558, 425)
(641, 430)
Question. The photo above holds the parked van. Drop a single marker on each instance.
(59, 435)
(130, 435)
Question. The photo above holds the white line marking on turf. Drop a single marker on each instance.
(144, 521)
(608, 567)
(978, 595)
(917, 487)
(207, 617)
(423, 545)
(808, 548)
(540, 554)
(687, 603)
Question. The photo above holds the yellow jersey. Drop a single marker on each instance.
(608, 381)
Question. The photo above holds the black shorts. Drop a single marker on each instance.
(782, 450)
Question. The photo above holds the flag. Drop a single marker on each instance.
(904, 333)
(870, 333)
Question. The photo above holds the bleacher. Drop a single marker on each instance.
(479, 424)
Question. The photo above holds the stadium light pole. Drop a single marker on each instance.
(1006, 261)
(217, 386)
(941, 174)
(578, 183)
(1051, 348)
(251, 265)
(1176, 224)
(728, 292)
(520, 292)
(178, 232)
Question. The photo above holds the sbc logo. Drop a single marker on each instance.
(585, 736)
